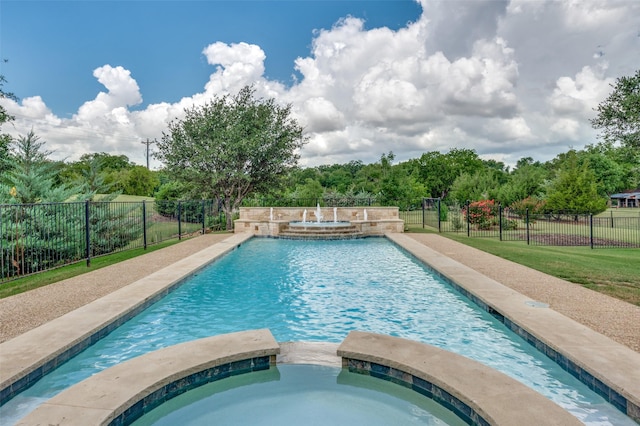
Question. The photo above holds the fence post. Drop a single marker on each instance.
(611, 218)
(468, 218)
(204, 219)
(144, 223)
(4, 273)
(500, 220)
(179, 220)
(527, 221)
(87, 233)
(423, 210)
(591, 229)
(439, 207)
(2, 253)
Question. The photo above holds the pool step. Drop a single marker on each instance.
(320, 232)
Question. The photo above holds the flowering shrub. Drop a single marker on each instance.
(482, 213)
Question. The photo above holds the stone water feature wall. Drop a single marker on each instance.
(270, 221)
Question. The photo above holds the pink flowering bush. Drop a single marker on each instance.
(483, 214)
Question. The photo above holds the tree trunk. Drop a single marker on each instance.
(229, 215)
(228, 212)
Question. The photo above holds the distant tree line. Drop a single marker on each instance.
(238, 147)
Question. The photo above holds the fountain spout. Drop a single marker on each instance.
(335, 215)
(304, 216)
(365, 214)
(318, 213)
(271, 214)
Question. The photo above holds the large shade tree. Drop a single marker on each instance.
(231, 147)
(619, 114)
(575, 188)
(438, 171)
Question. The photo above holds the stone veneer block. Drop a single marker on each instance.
(476, 393)
(124, 392)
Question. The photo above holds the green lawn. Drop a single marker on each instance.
(132, 198)
(612, 227)
(610, 271)
(44, 278)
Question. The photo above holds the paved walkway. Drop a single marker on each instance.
(616, 319)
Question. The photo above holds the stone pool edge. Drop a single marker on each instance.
(608, 368)
(31, 355)
(478, 394)
(123, 393)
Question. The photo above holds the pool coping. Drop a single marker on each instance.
(478, 394)
(31, 355)
(607, 367)
(123, 393)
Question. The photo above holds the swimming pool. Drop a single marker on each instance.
(318, 291)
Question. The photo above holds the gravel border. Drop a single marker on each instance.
(612, 317)
(25, 311)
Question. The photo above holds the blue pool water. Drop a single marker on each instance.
(319, 291)
(303, 395)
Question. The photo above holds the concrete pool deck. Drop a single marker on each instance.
(582, 310)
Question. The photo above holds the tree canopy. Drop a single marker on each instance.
(575, 188)
(619, 114)
(5, 139)
(231, 147)
(32, 177)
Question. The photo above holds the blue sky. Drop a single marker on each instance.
(509, 79)
(53, 46)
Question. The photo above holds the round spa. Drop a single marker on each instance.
(300, 394)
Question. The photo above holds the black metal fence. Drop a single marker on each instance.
(39, 237)
(485, 219)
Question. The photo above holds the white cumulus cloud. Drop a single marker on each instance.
(509, 79)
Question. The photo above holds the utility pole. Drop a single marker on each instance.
(147, 143)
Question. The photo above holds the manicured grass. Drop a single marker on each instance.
(132, 198)
(38, 280)
(610, 271)
(622, 212)
(614, 227)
